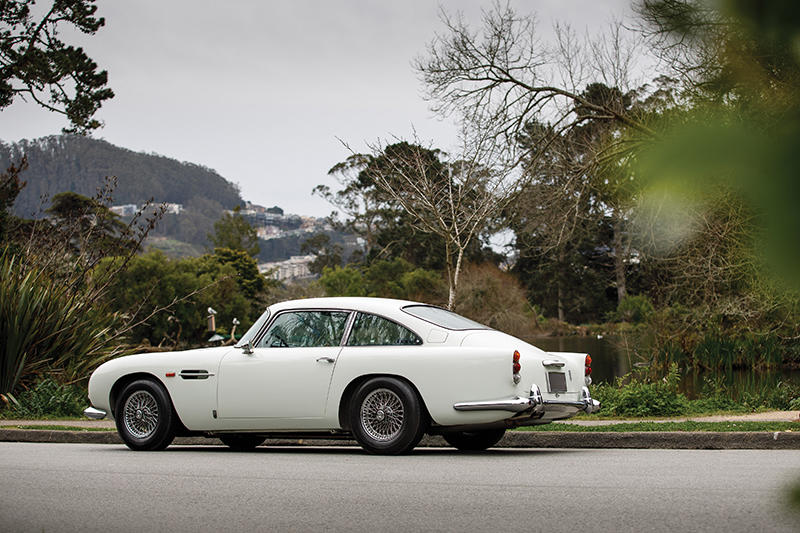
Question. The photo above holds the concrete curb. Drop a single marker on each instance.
(514, 439)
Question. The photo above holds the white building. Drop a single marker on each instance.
(296, 267)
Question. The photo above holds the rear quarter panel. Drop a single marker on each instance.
(443, 375)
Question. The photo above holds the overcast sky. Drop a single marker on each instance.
(260, 90)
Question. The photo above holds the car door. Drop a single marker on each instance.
(289, 372)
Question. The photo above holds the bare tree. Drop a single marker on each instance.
(453, 199)
(503, 79)
(505, 76)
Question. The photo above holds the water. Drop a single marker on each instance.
(614, 356)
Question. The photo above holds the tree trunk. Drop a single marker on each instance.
(560, 286)
(451, 298)
(620, 253)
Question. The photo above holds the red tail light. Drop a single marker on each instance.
(516, 367)
(588, 365)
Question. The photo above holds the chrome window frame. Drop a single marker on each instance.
(355, 314)
(348, 324)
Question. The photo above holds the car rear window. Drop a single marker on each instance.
(442, 317)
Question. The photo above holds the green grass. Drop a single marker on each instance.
(55, 427)
(671, 426)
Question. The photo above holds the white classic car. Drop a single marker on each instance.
(382, 371)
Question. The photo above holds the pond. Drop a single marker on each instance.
(614, 356)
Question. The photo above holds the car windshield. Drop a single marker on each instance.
(442, 317)
(254, 329)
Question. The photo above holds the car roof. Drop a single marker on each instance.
(375, 305)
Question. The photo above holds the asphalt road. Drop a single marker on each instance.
(84, 487)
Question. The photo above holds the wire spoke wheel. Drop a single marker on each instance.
(140, 414)
(382, 414)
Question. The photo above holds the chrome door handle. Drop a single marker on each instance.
(325, 360)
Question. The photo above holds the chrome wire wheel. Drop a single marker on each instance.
(140, 414)
(382, 414)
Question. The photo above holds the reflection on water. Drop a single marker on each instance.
(609, 357)
(614, 356)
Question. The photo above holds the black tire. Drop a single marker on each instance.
(144, 416)
(387, 416)
(242, 442)
(474, 441)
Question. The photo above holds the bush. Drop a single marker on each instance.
(634, 309)
(495, 298)
(43, 323)
(634, 396)
(49, 399)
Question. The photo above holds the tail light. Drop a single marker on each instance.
(516, 367)
(588, 365)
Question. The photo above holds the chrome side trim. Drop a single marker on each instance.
(94, 414)
(515, 405)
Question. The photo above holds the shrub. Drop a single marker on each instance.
(490, 296)
(43, 323)
(634, 309)
(635, 396)
(48, 398)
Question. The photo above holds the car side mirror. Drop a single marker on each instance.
(248, 348)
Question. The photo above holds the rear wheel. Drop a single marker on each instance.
(473, 441)
(386, 416)
(242, 442)
(144, 416)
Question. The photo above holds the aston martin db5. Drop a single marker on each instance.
(384, 372)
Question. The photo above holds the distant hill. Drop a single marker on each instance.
(79, 164)
(73, 163)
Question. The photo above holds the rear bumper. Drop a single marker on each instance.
(533, 404)
(94, 414)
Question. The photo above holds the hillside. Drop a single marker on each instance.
(79, 164)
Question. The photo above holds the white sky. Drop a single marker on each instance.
(261, 90)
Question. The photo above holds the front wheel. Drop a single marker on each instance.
(242, 443)
(144, 416)
(474, 441)
(386, 416)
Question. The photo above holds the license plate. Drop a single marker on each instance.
(557, 381)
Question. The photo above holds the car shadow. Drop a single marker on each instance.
(355, 450)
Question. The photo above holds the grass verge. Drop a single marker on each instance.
(55, 427)
(670, 426)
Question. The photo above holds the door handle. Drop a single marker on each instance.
(325, 360)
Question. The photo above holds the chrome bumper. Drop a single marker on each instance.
(533, 403)
(94, 414)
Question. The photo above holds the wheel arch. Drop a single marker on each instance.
(123, 382)
(344, 401)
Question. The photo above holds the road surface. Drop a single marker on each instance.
(83, 487)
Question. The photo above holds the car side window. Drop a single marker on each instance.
(295, 329)
(373, 330)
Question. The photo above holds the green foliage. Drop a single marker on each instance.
(10, 187)
(48, 399)
(343, 281)
(396, 278)
(43, 323)
(38, 65)
(172, 295)
(633, 396)
(634, 309)
(327, 254)
(234, 232)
